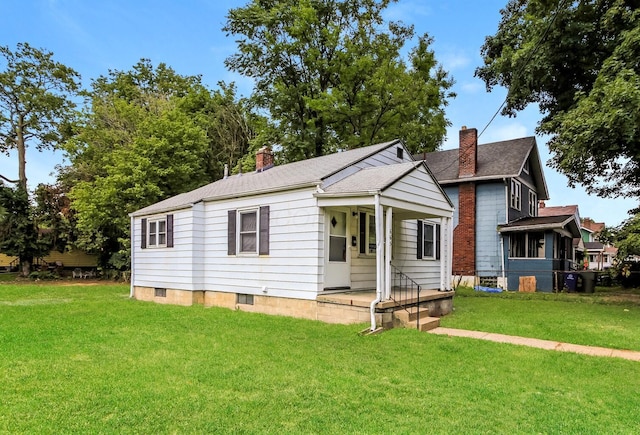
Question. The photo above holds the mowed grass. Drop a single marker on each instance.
(589, 319)
(87, 359)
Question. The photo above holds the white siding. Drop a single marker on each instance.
(293, 267)
(424, 272)
(387, 156)
(419, 188)
(167, 267)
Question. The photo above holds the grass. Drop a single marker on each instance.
(595, 320)
(88, 359)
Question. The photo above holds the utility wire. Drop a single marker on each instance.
(561, 4)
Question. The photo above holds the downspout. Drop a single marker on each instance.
(132, 256)
(506, 221)
(443, 258)
(379, 261)
(502, 260)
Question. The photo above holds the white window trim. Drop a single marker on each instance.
(434, 231)
(533, 203)
(368, 251)
(239, 232)
(515, 200)
(156, 234)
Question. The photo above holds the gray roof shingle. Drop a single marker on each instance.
(372, 179)
(301, 173)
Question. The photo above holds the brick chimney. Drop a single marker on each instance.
(264, 159)
(464, 234)
(468, 153)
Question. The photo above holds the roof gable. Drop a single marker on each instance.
(496, 160)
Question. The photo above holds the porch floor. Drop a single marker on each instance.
(363, 298)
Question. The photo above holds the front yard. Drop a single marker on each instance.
(88, 359)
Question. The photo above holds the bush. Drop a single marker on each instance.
(43, 275)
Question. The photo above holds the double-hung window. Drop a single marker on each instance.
(428, 240)
(157, 232)
(248, 231)
(516, 195)
(367, 224)
(533, 203)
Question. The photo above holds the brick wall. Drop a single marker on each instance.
(464, 235)
(468, 152)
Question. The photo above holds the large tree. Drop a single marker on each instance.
(148, 134)
(332, 75)
(579, 61)
(36, 106)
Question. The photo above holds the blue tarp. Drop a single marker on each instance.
(479, 288)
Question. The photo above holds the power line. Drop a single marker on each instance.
(561, 4)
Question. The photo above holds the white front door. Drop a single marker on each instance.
(338, 254)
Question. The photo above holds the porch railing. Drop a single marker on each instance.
(405, 292)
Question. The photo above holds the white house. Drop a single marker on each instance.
(301, 239)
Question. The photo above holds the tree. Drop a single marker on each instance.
(36, 106)
(579, 62)
(332, 79)
(148, 134)
(36, 102)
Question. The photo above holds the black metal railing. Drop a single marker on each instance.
(405, 292)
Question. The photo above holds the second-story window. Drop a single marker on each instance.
(533, 203)
(516, 194)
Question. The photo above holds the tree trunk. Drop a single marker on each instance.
(26, 267)
(22, 155)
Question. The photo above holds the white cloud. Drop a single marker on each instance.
(513, 130)
(471, 87)
(406, 11)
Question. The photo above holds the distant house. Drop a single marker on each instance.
(66, 260)
(600, 256)
(288, 239)
(499, 235)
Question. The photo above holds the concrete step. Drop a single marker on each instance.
(410, 314)
(409, 319)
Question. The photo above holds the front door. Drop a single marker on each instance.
(338, 256)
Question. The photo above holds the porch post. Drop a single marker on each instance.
(444, 251)
(379, 247)
(450, 253)
(387, 252)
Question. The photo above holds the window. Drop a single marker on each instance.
(367, 224)
(160, 292)
(525, 168)
(428, 241)
(245, 299)
(533, 203)
(399, 153)
(157, 232)
(248, 231)
(516, 200)
(526, 245)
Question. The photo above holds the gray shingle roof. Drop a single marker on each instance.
(541, 223)
(297, 174)
(372, 179)
(495, 160)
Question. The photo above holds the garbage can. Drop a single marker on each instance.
(588, 281)
(570, 281)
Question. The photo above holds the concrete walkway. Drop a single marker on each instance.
(541, 344)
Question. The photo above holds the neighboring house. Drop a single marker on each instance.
(498, 235)
(600, 256)
(282, 238)
(67, 260)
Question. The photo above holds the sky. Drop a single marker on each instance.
(95, 36)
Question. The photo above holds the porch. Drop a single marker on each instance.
(406, 310)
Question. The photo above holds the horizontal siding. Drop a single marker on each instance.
(167, 267)
(424, 272)
(292, 268)
(418, 187)
(363, 271)
(387, 156)
(490, 212)
(452, 193)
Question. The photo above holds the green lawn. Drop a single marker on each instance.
(86, 359)
(573, 318)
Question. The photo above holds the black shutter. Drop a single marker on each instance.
(169, 231)
(143, 234)
(231, 233)
(363, 234)
(263, 245)
(438, 241)
(419, 241)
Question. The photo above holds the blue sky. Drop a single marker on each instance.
(95, 36)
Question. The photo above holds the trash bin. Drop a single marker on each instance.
(570, 281)
(588, 281)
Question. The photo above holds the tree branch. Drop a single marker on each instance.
(7, 180)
